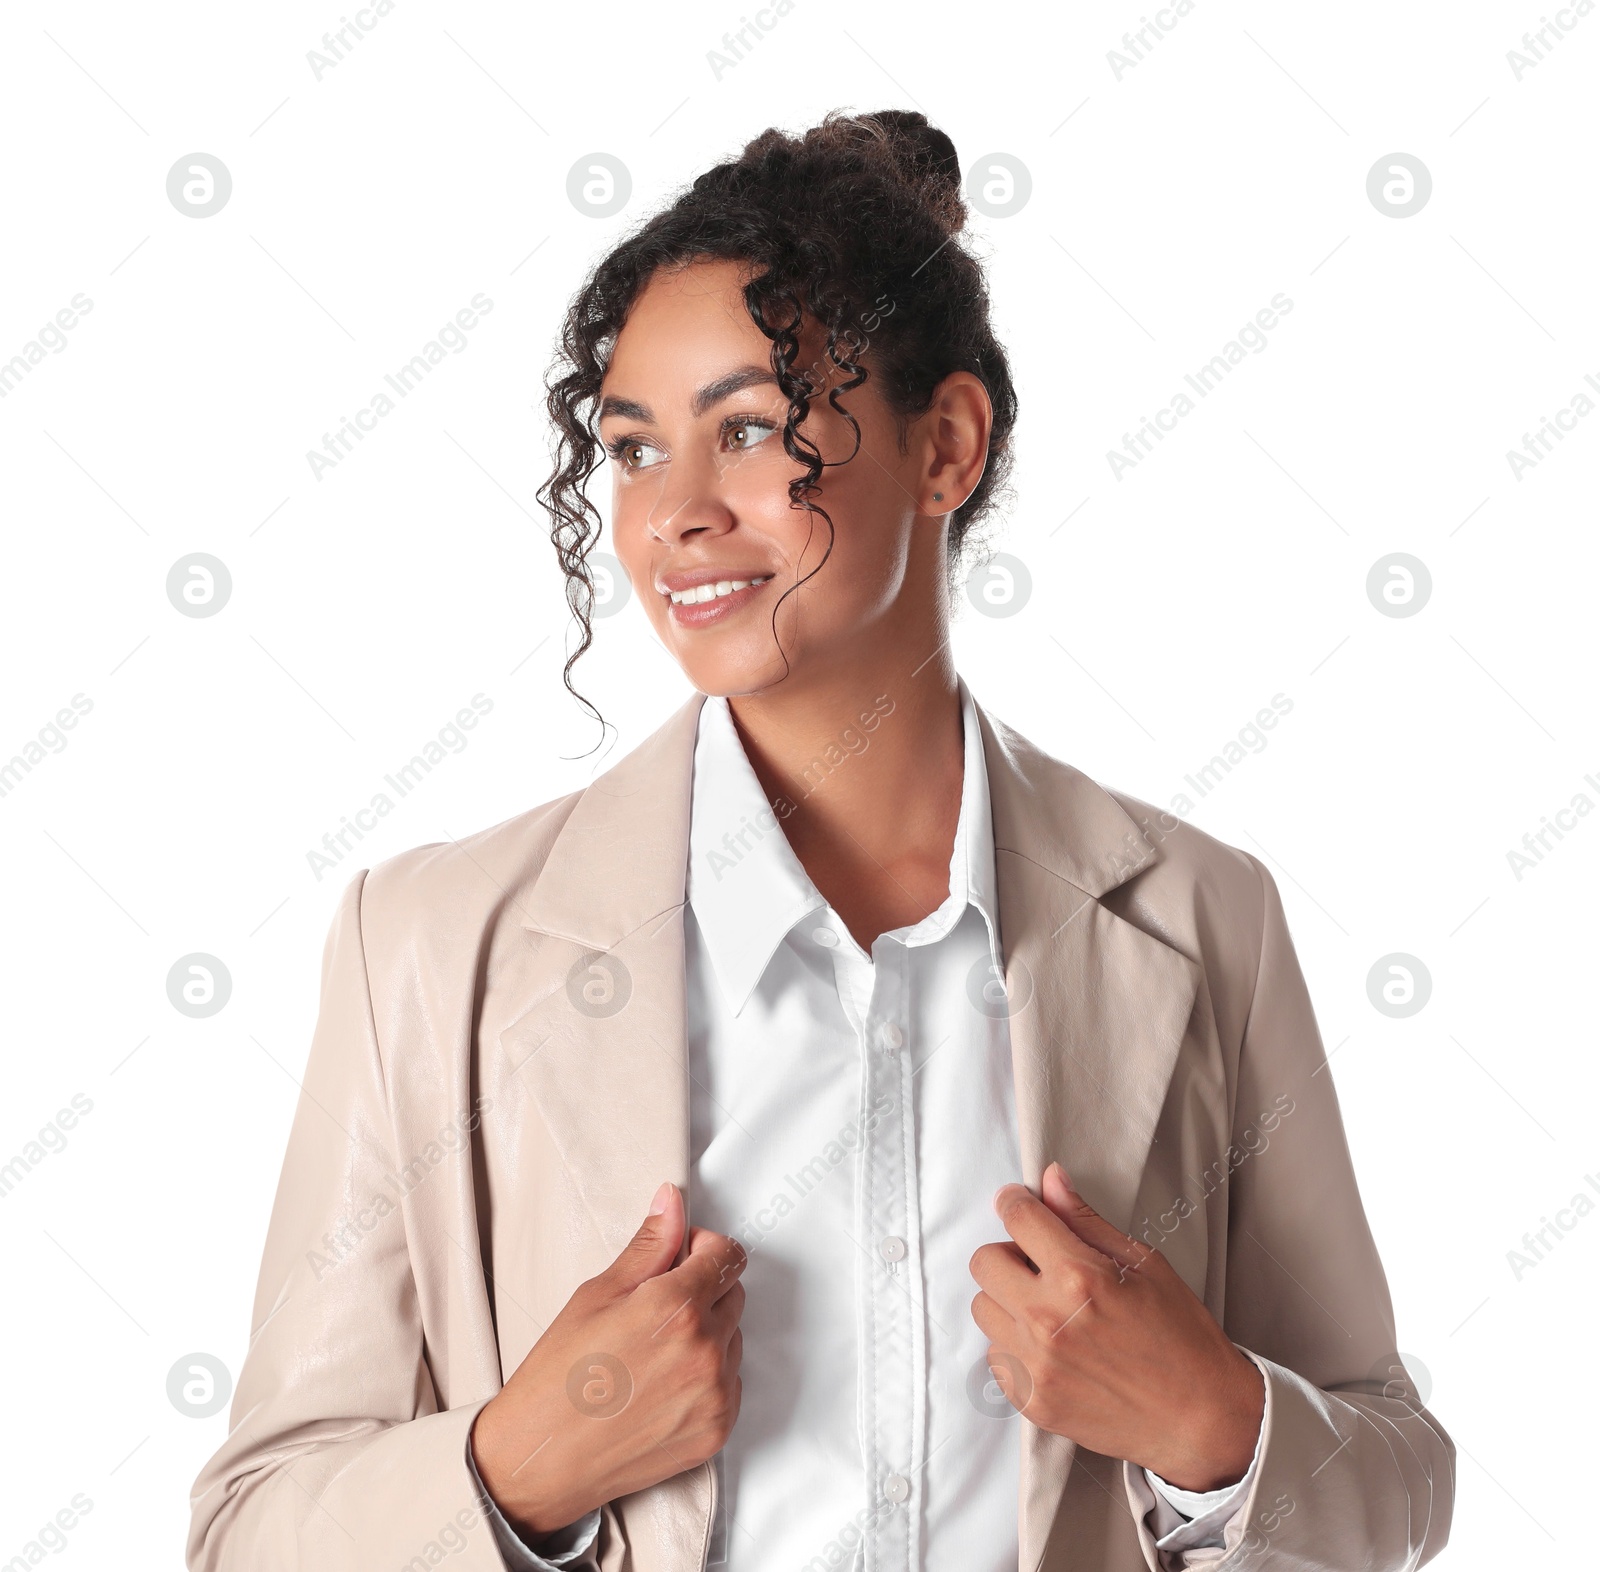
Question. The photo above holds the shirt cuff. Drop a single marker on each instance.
(1207, 1510)
(557, 1550)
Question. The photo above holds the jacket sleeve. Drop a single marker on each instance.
(338, 1456)
(1354, 1469)
(1204, 1514)
(566, 1548)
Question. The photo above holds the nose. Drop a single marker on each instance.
(689, 503)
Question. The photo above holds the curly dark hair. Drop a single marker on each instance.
(853, 225)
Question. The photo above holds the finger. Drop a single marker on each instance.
(1046, 1239)
(724, 1248)
(725, 1286)
(699, 1238)
(713, 1264)
(651, 1250)
(706, 1239)
(1003, 1272)
(722, 1319)
(994, 1320)
(1012, 1377)
(1010, 1249)
(1065, 1202)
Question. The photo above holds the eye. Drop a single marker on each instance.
(622, 450)
(747, 425)
(741, 432)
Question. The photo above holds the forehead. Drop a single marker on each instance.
(701, 303)
(687, 328)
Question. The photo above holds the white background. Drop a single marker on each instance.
(1167, 606)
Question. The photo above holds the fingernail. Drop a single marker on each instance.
(659, 1204)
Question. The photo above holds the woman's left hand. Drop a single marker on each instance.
(1094, 1336)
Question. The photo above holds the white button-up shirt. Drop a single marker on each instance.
(852, 1116)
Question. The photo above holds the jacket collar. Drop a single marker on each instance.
(603, 878)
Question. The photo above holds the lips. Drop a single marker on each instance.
(713, 589)
(697, 605)
(677, 583)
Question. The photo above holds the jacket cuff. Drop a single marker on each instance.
(1206, 1510)
(566, 1547)
(1170, 1540)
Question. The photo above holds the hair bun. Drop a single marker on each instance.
(924, 158)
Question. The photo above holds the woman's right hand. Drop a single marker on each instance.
(637, 1379)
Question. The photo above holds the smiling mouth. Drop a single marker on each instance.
(703, 594)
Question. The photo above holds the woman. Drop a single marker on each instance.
(892, 1004)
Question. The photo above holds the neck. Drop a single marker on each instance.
(863, 764)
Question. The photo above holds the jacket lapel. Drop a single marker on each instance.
(1098, 1009)
(600, 1048)
(604, 977)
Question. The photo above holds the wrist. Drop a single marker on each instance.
(522, 1481)
(1217, 1447)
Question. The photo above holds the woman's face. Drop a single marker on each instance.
(693, 418)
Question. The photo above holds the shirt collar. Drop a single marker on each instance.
(748, 889)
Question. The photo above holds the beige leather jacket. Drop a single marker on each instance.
(481, 1130)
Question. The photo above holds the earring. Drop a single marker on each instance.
(938, 496)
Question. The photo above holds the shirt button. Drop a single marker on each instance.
(897, 1488)
(894, 1249)
(891, 1036)
(826, 937)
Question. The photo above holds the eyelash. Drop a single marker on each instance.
(618, 445)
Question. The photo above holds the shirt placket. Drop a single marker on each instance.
(892, 1332)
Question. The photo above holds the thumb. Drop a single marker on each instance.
(652, 1249)
(1055, 1190)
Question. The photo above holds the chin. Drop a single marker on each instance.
(728, 679)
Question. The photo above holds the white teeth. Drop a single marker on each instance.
(704, 592)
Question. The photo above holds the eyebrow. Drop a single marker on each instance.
(713, 393)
